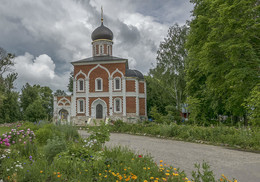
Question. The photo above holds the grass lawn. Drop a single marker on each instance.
(4, 129)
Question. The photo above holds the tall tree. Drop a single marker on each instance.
(33, 95)
(9, 106)
(168, 75)
(223, 56)
(70, 85)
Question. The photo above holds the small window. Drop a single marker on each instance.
(108, 50)
(117, 107)
(101, 49)
(98, 84)
(117, 83)
(96, 49)
(80, 85)
(81, 106)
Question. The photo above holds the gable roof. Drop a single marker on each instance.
(99, 58)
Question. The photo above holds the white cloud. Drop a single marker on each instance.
(39, 70)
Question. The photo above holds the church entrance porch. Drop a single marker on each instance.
(64, 115)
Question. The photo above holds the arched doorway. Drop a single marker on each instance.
(63, 115)
(99, 111)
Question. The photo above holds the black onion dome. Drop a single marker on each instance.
(102, 32)
(134, 73)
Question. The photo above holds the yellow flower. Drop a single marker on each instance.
(168, 170)
(108, 165)
(155, 180)
(235, 180)
(164, 179)
(58, 176)
(41, 171)
(99, 174)
(54, 173)
(174, 169)
(105, 176)
(134, 177)
(86, 170)
(167, 174)
(151, 177)
(161, 165)
(161, 161)
(145, 181)
(124, 169)
(128, 179)
(221, 179)
(149, 168)
(133, 159)
(144, 168)
(120, 177)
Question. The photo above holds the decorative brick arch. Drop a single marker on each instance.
(102, 67)
(80, 72)
(63, 103)
(117, 71)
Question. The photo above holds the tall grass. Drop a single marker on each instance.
(242, 137)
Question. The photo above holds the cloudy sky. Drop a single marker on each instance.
(46, 35)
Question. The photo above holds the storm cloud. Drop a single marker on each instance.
(46, 35)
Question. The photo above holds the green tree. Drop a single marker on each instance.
(223, 56)
(9, 105)
(60, 93)
(36, 94)
(167, 78)
(35, 111)
(70, 85)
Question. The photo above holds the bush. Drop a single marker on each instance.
(53, 147)
(48, 131)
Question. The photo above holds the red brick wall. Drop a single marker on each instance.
(130, 85)
(91, 99)
(141, 106)
(130, 105)
(141, 87)
(98, 73)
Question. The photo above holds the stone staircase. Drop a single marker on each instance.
(96, 122)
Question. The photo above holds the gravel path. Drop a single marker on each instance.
(244, 166)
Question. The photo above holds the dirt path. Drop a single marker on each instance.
(244, 166)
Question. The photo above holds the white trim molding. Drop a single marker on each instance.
(78, 85)
(78, 106)
(99, 66)
(80, 72)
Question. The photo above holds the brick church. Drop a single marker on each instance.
(103, 87)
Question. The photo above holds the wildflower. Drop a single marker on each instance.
(161, 161)
(134, 177)
(41, 171)
(167, 174)
(54, 173)
(125, 169)
(145, 181)
(58, 176)
(151, 177)
(174, 169)
(140, 156)
(58, 172)
(99, 174)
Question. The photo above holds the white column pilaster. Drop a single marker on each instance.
(137, 96)
(73, 99)
(87, 95)
(110, 79)
(124, 95)
(145, 99)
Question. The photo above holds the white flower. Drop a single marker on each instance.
(7, 169)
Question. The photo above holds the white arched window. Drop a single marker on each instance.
(81, 106)
(117, 83)
(80, 84)
(99, 84)
(117, 105)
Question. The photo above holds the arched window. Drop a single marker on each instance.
(117, 105)
(117, 83)
(108, 50)
(80, 85)
(80, 106)
(101, 49)
(99, 84)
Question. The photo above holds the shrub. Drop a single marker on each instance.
(53, 147)
(48, 131)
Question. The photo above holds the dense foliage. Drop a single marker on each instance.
(245, 138)
(72, 158)
(223, 58)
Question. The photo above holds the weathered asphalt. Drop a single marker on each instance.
(243, 166)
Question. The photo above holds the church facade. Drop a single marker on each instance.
(103, 87)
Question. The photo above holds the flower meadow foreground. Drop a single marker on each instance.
(57, 153)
